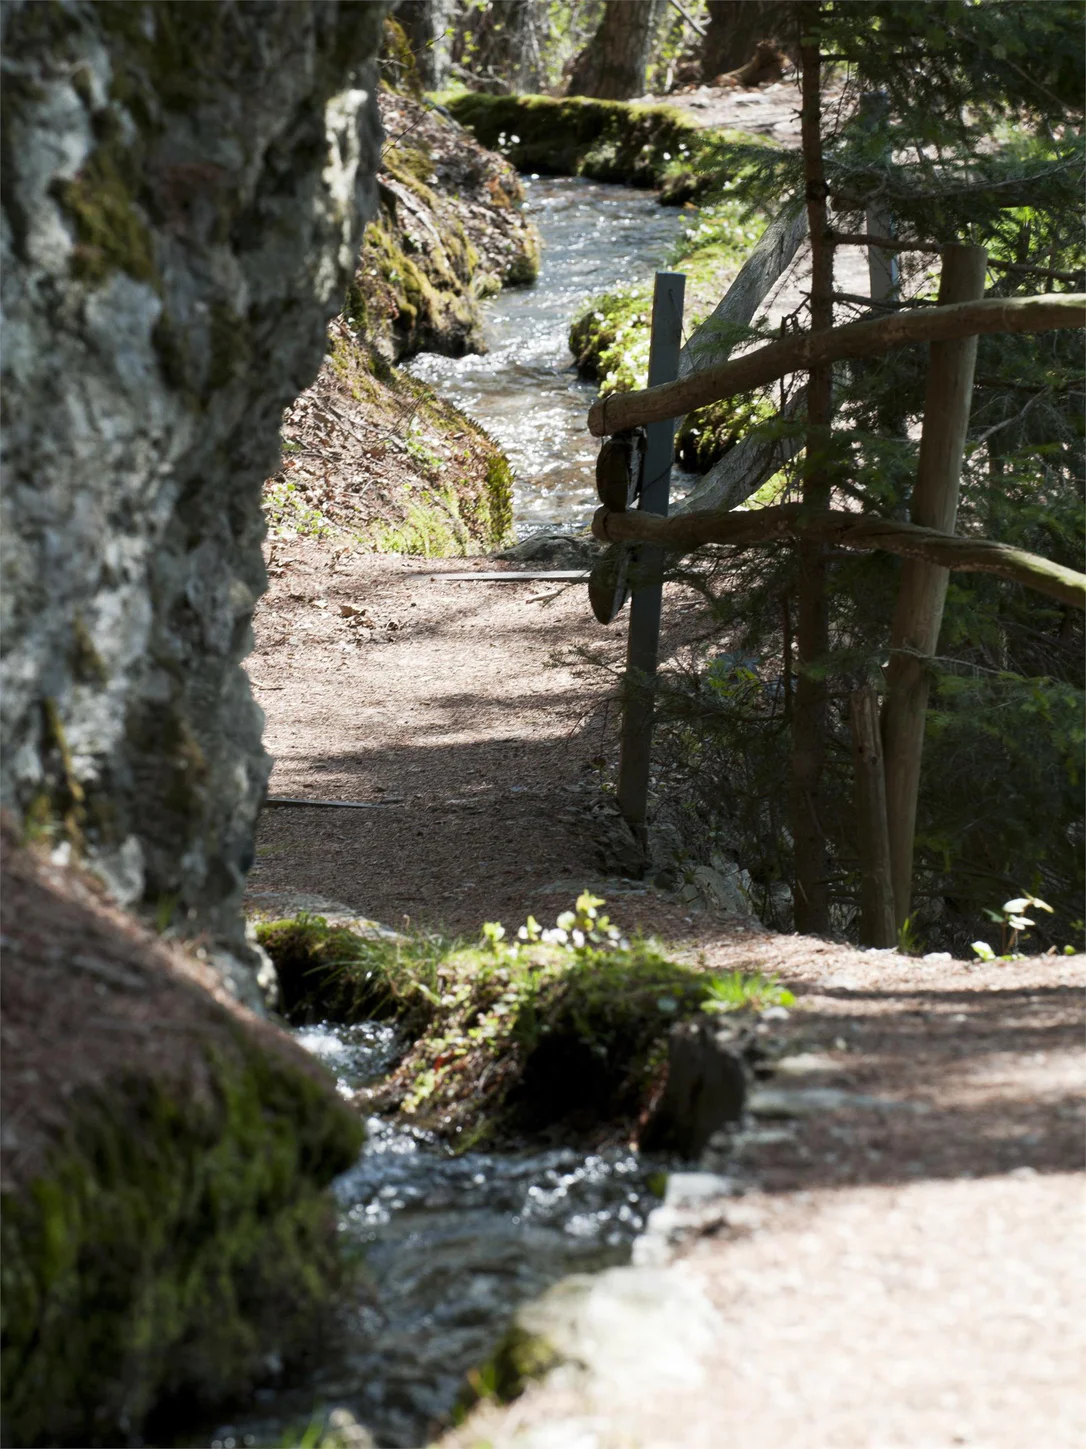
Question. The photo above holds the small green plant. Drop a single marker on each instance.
(308, 1438)
(909, 942)
(288, 513)
(581, 929)
(1013, 925)
(736, 991)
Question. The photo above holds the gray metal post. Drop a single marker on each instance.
(647, 564)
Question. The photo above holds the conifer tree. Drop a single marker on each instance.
(977, 141)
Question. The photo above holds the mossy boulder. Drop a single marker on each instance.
(705, 435)
(185, 191)
(167, 1237)
(622, 141)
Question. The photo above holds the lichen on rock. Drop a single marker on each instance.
(185, 191)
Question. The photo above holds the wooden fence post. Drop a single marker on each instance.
(918, 615)
(877, 926)
(646, 569)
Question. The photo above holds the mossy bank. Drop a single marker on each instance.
(621, 141)
(449, 232)
(167, 1239)
(373, 458)
(372, 455)
(558, 1032)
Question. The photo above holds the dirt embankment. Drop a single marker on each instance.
(371, 456)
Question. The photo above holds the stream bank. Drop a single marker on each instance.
(371, 456)
(474, 723)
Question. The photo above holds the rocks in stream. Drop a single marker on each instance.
(706, 1089)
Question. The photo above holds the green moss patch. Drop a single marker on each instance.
(171, 1246)
(564, 1029)
(166, 1233)
(448, 232)
(433, 482)
(640, 145)
(708, 433)
(610, 337)
(333, 973)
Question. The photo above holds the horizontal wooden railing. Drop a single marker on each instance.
(619, 411)
(846, 530)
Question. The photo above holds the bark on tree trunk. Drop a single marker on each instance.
(735, 28)
(876, 891)
(812, 621)
(612, 65)
(493, 48)
(918, 616)
(426, 23)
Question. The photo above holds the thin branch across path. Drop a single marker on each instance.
(755, 369)
(846, 530)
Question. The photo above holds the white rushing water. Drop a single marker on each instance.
(524, 390)
(451, 1247)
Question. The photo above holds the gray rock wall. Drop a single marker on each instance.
(184, 190)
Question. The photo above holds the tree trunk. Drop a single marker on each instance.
(812, 621)
(492, 47)
(612, 65)
(735, 28)
(426, 24)
(918, 616)
(877, 926)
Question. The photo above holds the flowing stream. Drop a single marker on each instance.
(452, 1245)
(525, 390)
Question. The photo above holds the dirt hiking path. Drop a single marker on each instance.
(896, 1259)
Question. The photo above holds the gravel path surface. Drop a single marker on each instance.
(459, 711)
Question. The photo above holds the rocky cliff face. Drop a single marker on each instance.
(185, 187)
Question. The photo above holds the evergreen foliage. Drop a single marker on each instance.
(981, 143)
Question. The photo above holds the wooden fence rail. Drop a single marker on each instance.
(619, 411)
(688, 531)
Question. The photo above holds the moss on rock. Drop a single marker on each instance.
(170, 1247)
(564, 1029)
(166, 1233)
(641, 145)
(449, 231)
(708, 433)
